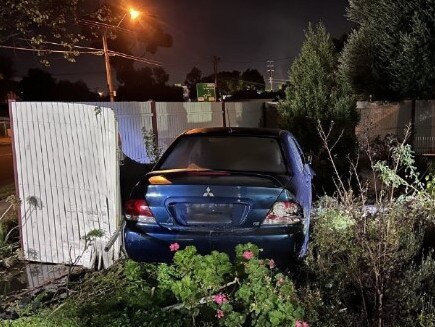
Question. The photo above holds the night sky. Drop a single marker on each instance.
(243, 33)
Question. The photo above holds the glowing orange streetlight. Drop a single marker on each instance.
(134, 13)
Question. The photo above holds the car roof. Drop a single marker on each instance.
(235, 131)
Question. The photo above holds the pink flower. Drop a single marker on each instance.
(248, 255)
(219, 314)
(305, 324)
(272, 264)
(220, 298)
(174, 247)
(299, 323)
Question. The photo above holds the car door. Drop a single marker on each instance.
(302, 181)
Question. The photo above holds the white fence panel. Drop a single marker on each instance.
(132, 118)
(173, 118)
(67, 168)
(244, 114)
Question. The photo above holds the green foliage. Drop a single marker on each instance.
(202, 290)
(311, 77)
(318, 92)
(249, 292)
(37, 21)
(390, 55)
(374, 265)
(154, 151)
(430, 185)
(7, 190)
(92, 235)
(124, 295)
(190, 285)
(8, 224)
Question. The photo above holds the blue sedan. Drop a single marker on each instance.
(215, 188)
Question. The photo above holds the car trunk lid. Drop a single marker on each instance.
(211, 199)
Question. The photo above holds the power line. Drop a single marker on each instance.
(256, 61)
(96, 51)
(50, 50)
(111, 53)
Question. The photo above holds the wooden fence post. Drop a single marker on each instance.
(224, 118)
(154, 121)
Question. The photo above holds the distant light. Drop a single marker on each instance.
(134, 13)
(100, 93)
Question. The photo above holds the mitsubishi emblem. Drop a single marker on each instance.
(208, 192)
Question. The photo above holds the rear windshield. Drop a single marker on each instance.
(241, 153)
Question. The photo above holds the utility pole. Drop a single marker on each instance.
(270, 70)
(216, 60)
(108, 68)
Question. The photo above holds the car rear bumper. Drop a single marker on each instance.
(151, 243)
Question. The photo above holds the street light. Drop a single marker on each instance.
(134, 14)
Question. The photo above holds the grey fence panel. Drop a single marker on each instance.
(133, 118)
(174, 118)
(244, 114)
(381, 118)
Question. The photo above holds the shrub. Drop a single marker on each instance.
(367, 261)
(249, 292)
(199, 290)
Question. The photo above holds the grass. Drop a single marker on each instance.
(7, 190)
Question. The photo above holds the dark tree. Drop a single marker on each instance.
(39, 85)
(6, 74)
(74, 91)
(145, 84)
(317, 93)
(160, 76)
(340, 42)
(229, 82)
(253, 80)
(391, 53)
(192, 78)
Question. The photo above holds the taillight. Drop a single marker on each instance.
(138, 210)
(284, 213)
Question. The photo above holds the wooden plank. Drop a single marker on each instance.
(52, 203)
(16, 162)
(57, 177)
(41, 172)
(34, 248)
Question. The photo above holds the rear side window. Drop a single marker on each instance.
(241, 153)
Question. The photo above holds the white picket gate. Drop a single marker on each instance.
(66, 164)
